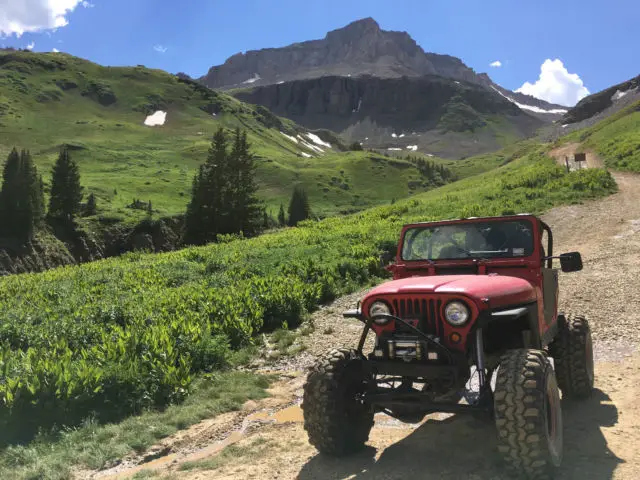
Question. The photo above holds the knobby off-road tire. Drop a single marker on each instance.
(528, 414)
(572, 351)
(336, 421)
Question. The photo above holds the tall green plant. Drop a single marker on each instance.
(21, 197)
(299, 208)
(205, 216)
(224, 194)
(66, 191)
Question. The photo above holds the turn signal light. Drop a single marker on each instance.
(455, 337)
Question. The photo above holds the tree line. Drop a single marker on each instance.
(224, 194)
(223, 198)
(22, 204)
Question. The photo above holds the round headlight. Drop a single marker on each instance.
(379, 308)
(456, 313)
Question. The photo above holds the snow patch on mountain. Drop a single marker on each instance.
(156, 119)
(317, 140)
(310, 146)
(253, 79)
(530, 107)
(619, 94)
(413, 148)
(293, 139)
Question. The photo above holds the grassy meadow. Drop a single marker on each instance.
(51, 99)
(616, 139)
(125, 335)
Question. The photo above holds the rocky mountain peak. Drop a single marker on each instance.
(361, 48)
(359, 27)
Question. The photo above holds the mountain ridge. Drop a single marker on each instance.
(361, 48)
(430, 114)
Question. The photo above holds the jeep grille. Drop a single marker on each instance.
(425, 310)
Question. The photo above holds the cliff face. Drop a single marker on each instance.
(360, 48)
(60, 245)
(372, 110)
(598, 103)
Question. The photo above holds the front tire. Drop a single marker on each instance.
(528, 414)
(572, 351)
(336, 420)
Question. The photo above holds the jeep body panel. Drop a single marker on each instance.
(492, 291)
(505, 282)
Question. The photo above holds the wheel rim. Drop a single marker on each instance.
(553, 413)
(589, 358)
(354, 391)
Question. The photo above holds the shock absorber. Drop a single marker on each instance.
(480, 359)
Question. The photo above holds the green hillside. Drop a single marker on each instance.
(120, 335)
(616, 139)
(51, 99)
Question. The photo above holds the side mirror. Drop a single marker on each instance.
(386, 258)
(571, 262)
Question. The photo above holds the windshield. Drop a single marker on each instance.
(492, 239)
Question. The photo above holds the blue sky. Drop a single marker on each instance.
(596, 40)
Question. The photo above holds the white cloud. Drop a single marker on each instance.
(55, 50)
(20, 16)
(496, 64)
(160, 48)
(556, 85)
(31, 46)
(86, 4)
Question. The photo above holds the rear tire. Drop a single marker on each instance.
(572, 351)
(336, 420)
(528, 414)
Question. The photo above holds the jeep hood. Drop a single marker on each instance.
(500, 290)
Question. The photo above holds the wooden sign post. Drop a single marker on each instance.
(580, 158)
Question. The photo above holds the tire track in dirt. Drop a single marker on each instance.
(600, 433)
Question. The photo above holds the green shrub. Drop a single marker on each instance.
(120, 335)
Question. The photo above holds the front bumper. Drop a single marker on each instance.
(398, 368)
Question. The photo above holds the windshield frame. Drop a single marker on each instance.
(533, 224)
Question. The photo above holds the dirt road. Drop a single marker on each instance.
(601, 434)
(565, 154)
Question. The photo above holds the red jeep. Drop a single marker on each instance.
(471, 313)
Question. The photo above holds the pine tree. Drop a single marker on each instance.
(224, 193)
(91, 207)
(21, 197)
(149, 209)
(244, 204)
(299, 206)
(282, 219)
(66, 192)
(205, 216)
(10, 194)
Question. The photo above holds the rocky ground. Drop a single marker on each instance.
(267, 439)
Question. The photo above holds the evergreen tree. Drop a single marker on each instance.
(205, 216)
(21, 197)
(66, 192)
(9, 195)
(282, 219)
(91, 207)
(299, 206)
(224, 193)
(244, 204)
(149, 209)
